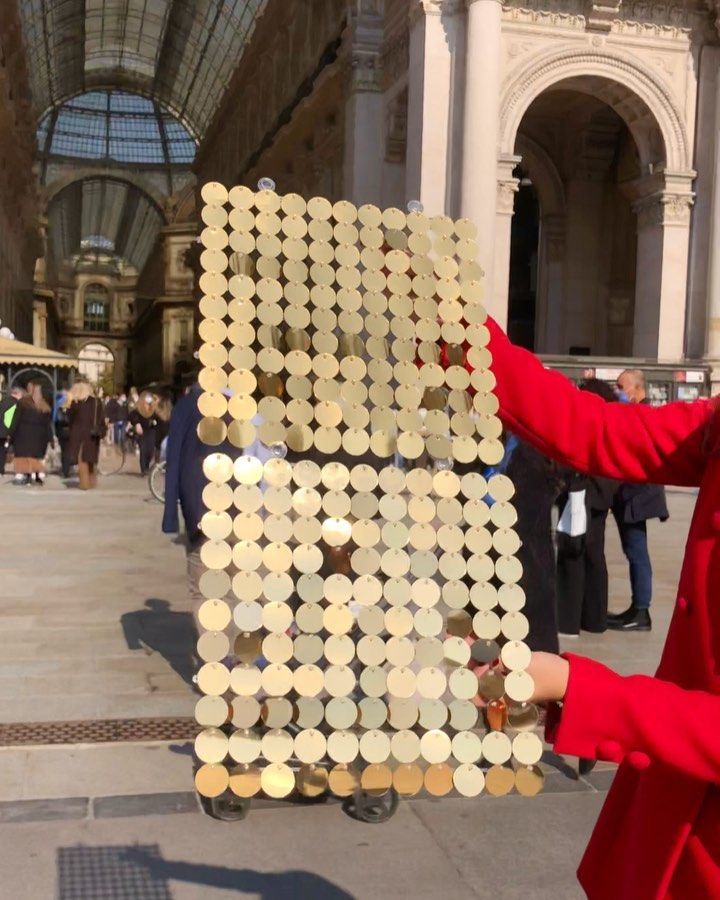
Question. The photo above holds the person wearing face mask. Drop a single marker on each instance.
(144, 422)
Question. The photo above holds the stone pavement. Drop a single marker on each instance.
(95, 626)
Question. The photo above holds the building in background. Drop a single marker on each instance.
(582, 138)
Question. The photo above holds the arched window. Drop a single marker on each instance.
(97, 308)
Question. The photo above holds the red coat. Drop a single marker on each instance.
(658, 835)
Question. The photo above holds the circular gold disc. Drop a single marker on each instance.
(499, 780)
(469, 780)
(439, 780)
(277, 780)
(408, 780)
(211, 780)
(312, 781)
(529, 780)
(343, 780)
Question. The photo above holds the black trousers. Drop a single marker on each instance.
(3, 455)
(582, 579)
(147, 451)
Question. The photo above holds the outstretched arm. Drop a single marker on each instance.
(624, 723)
(628, 442)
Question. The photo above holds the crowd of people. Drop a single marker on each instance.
(565, 571)
(75, 425)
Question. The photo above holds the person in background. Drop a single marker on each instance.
(133, 398)
(31, 434)
(87, 428)
(144, 422)
(8, 411)
(120, 424)
(113, 416)
(62, 432)
(163, 409)
(634, 505)
(538, 482)
(582, 577)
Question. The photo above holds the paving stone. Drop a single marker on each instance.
(145, 805)
(601, 780)
(44, 810)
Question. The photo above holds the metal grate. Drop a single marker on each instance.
(97, 732)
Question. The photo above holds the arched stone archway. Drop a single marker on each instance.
(642, 100)
(96, 363)
(654, 201)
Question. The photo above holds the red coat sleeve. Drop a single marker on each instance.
(628, 442)
(639, 719)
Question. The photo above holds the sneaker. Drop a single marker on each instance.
(640, 621)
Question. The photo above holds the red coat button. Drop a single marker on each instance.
(716, 521)
(682, 604)
(638, 760)
(610, 751)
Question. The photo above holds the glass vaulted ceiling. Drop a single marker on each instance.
(99, 220)
(180, 52)
(115, 127)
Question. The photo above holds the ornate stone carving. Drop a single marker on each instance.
(665, 208)
(666, 20)
(506, 190)
(421, 8)
(548, 68)
(601, 15)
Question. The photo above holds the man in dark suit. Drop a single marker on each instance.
(634, 505)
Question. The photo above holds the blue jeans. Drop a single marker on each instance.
(633, 538)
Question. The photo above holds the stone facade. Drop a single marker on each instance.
(605, 112)
(20, 245)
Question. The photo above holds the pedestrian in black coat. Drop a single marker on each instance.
(31, 434)
(582, 577)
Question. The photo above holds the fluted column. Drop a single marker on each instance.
(483, 61)
(364, 115)
(496, 291)
(662, 266)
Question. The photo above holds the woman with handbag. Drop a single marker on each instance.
(87, 428)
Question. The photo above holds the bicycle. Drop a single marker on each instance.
(113, 454)
(156, 480)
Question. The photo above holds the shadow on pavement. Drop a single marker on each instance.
(157, 628)
(140, 873)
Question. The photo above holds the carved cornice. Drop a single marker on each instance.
(665, 20)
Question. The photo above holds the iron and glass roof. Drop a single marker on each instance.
(101, 219)
(115, 127)
(182, 53)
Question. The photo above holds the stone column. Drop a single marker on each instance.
(712, 334)
(496, 290)
(364, 119)
(435, 28)
(483, 60)
(662, 268)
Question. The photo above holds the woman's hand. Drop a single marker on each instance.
(550, 674)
